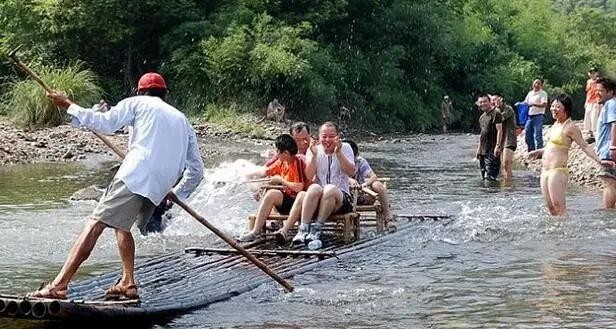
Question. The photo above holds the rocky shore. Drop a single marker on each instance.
(582, 170)
(64, 143)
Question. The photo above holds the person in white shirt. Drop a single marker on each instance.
(537, 100)
(331, 163)
(162, 149)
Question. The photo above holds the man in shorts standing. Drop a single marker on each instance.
(592, 108)
(606, 139)
(509, 136)
(162, 148)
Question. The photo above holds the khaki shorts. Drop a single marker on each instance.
(607, 172)
(120, 208)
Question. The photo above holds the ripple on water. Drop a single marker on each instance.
(498, 262)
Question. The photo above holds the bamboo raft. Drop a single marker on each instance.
(182, 281)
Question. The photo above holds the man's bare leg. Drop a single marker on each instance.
(272, 198)
(609, 193)
(79, 253)
(507, 161)
(330, 202)
(295, 213)
(308, 208)
(126, 248)
(310, 202)
(383, 197)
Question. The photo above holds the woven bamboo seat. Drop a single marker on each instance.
(372, 215)
(347, 223)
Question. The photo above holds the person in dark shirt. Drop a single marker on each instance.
(490, 147)
(509, 138)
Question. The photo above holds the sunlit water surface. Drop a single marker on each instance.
(500, 261)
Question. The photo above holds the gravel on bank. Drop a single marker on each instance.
(65, 143)
(582, 169)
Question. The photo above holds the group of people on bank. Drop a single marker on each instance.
(498, 138)
(316, 178)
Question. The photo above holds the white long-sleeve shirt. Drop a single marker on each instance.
(162, 146)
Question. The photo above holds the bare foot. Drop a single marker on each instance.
(49, 291)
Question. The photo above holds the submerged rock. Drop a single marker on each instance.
(93, 192)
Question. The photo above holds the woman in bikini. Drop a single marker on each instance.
(554, 173)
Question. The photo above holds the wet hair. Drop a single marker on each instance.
(593, 70)
(354, 147)
(156, 92)
(299, 126)
(330, 124)
(285, 142)
(607, 83)
(566, 101)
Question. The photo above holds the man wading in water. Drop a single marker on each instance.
(162, 148)
(490, 138)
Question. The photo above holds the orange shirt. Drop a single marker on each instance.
(592, 96)
(290, 172)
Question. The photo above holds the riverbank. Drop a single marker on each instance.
(64, 143)
(582, 170)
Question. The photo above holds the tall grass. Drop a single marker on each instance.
(25, 102)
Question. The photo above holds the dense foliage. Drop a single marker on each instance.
(390, 61)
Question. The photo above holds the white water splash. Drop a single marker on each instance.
(223, 198)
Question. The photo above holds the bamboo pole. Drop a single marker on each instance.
(265, 252)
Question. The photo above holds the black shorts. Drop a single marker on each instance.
(347, 203)
(286, 205)
(512, 147)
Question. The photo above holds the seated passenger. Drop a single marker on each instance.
(301, 134)
(365, 177)
(287, 171)
(331, 164)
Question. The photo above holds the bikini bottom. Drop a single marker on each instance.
(554, 171)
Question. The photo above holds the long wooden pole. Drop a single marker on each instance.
(170, 195)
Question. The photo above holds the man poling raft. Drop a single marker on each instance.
(162, 148)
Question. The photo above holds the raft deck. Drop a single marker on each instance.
(182, 281)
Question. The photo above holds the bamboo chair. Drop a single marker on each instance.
(348, 224)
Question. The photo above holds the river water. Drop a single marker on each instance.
(499, 262)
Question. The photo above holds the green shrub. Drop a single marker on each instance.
(26, 104)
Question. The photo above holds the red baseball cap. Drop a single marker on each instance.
(151, 81)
